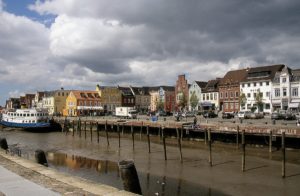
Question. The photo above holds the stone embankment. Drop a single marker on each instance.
(53, 180)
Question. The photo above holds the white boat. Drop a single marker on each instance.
(26, 118)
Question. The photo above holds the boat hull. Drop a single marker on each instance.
(45, 126)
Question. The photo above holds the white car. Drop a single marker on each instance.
(242, 114)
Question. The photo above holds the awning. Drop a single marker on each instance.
(89, 108)
(206, 104)
(276, 104)
(293, 105)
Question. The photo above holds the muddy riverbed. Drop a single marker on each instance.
(194, 176)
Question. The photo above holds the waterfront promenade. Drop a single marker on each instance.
(19, 176)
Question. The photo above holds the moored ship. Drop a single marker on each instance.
(28, 119)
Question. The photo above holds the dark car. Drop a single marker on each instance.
(210, 114)
(289, 116)
(161, 113)
(227, 115)
(278, 115)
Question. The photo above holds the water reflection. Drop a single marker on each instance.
(107, 172)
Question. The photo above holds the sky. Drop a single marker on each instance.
(75, 44)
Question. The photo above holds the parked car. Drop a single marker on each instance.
(188, 114)
(289, 116)
(209, 114)
(227, 115)
(161, 113)
(255, 115)
(278, 115)
(244, 114)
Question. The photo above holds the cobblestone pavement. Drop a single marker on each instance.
(45, 181)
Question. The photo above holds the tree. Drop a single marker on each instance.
(182, 100)
(194, 100)
(243, 99)
(259, 101)
(160, 105)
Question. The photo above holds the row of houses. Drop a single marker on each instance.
(261, 89)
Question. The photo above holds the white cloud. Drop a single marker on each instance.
(144, 42)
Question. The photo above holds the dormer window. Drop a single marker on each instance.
(283, 80)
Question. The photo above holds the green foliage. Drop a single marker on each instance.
(259, 101)
(243, 99)
(194, 100)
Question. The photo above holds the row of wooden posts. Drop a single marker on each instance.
(179, 136)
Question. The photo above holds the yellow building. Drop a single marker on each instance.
(55, 101)
(111, 97)
(83, 103)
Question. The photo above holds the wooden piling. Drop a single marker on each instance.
(159, 133)
(84, 129)
(106, 132)
(283, 154)
(270, 141)
(209, 147)
(91, 130)
(205, 136)
(132, 135)
(141, 131)
(148, 139)
(179, 144)
(98, 135)
(73, 126)
(164, 142)
(244, 150)
(181, 134)
(118, 130)
(79, 127)
(237, 137)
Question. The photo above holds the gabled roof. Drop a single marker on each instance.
(233, 77)
(212, 86)
(201, 84)
(86, 95)
(126, 91)
(168, 88)
(262, 72)
(140, 90)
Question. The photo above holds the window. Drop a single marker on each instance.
(221, 95)
(231, 94)
(226, 95)
(267, 83)
(215, 96)
(254, 84)
(267, 106)
(236, 94)
(203, 96)
(294, 92)
(277, 92)
(284, 92)
(248, 84)
(243, 85)
(254, 95)
(248, 95)
(260, 84)
(58, 93)
(236, 105)
(268, 94)
(231, 106)
(283, 80)
(207, 96)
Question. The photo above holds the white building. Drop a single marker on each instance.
(285, 90)
(210, 95)
(258, 83)
(196, 87)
